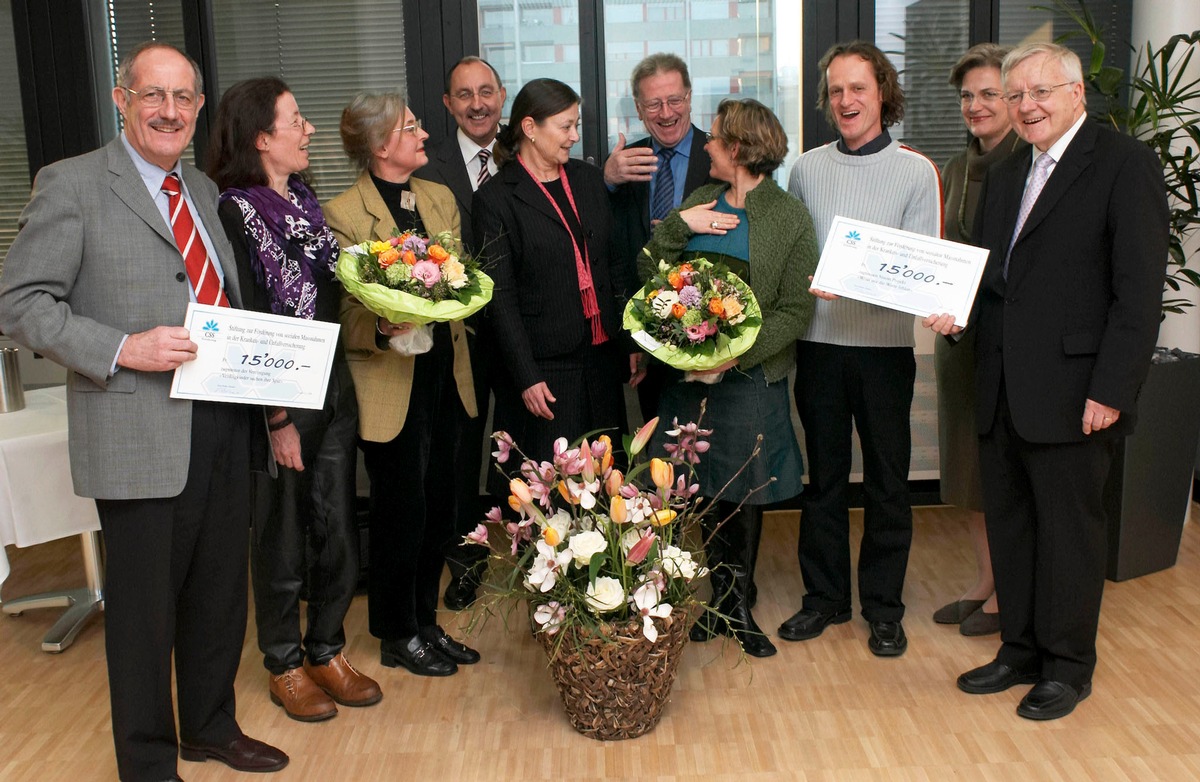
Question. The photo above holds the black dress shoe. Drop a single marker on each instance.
(449, 648)
(887, 639)
(1050, 700)
(241, 754)
(994, 677)
(460, 593)
(417, 655)
(809, 623)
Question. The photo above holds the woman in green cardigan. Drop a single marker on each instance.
(766, 237)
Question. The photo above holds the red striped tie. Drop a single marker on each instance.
(201, 271)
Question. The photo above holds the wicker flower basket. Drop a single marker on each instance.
(615, 686)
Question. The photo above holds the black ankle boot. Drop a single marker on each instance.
(741, 621)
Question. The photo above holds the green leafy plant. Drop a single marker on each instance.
(1160, 112)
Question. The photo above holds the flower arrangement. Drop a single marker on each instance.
(412, 278)
(591, 547)
(694, 315)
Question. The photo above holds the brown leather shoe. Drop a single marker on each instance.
(300, 697)
(343, 682)
(241, 754)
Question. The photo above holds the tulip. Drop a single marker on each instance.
(618, 511)
(643, 436)
(520, 490)
(641, 549)
(662, 518)
(551, 536)
(612, 484)
(662, 473)
(565, 491)
(514, 503)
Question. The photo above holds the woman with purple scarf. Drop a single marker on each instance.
(304, 522)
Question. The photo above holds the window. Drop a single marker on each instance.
(710, 9)
(521, 53)
(14, 159)
(537, 53)
(923, 41)
(324, 57)
(728, 46)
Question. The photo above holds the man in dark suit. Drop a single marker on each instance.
(1066, 318)
(651, 176)
(96, 281)
(462, 162)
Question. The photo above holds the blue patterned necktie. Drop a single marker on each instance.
(664, 185)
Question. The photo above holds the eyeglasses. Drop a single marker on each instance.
(299, 123)
(676, 103)
(413, 128)
(710, 137)
(485, 93)
(1037, 94)
(987, 96)
(153, 97)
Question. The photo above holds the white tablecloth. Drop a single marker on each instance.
(37, 503)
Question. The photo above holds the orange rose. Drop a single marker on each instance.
(409, 257)
(716, 307)
(388, 257)
(676, 280)
(678, 310)
(438, 253)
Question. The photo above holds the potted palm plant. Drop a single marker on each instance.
(1149, 488)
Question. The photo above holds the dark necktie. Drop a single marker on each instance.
(664, 185)
(484, 174)
(200, 269)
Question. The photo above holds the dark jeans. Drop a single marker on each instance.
(310, 510)
(838, 387)
(175, 581)
(412, 501)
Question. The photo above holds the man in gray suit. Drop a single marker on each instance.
(96, 281)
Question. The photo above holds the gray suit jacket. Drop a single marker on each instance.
(94, 260)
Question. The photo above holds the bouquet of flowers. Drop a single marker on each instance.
(591, 547)
(694, 315)
(411, 278)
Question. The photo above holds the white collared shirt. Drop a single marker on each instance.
(470, 153)
(1057, 148)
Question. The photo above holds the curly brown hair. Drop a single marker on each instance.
(885, 76)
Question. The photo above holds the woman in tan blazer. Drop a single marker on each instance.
(410, 407)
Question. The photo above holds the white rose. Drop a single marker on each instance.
(661, 305)
(584, 545)
(454, 273)
(605, 595)
(678, 563)
(561, 522)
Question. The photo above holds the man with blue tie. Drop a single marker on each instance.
(652, 176)
(112, 247)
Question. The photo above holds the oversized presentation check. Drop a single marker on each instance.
(899, 269)
(255, 358)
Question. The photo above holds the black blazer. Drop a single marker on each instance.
(631, 202)
(1078, 316)
(446, 166)
(536, 312)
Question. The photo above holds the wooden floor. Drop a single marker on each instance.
(819, 710)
